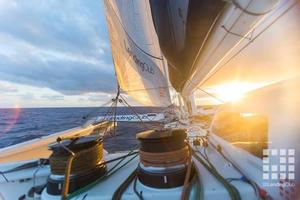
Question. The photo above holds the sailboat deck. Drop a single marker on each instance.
(210, 187)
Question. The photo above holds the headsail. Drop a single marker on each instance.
(137, 57)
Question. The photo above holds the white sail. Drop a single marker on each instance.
(137, 57)
(239, 23)
(270, 58)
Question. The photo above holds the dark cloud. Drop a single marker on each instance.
(62, 45)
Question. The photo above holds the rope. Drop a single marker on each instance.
(84, 160)
(234, 194)
(66, 183)
(249, 180)
(140, 196)
(108, 173)
(195, 181)
(171, 158)
(121, 189)
(165, 159)
(3, 175)
(186, 184)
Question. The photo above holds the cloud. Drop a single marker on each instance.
(7, 88)
(27, 96)
(98, 97)
(53, 97)
(62, 45)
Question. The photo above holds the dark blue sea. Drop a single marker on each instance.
(22, 124)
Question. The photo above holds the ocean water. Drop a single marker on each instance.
(23, 124)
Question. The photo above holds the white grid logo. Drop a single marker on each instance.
(285, 167)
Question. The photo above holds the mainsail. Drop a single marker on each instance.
(250, 50)
(138, 61)
(201, 37)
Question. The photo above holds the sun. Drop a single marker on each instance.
(232, 92)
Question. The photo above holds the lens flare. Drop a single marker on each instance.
(233, 91)
(12, 118)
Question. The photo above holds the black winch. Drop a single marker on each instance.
(164, 158)
(86, 166)
(162, 140)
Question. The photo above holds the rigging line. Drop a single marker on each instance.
(127, 34)
(104, 117)
(107, 128)
(115, 109)
(128, 105)
(113, 114)
(102, 120)
(247, 44)
(111, 108)
(134, 111)
(209, 94)
(86, 117)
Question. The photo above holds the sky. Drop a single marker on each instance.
(54, 53)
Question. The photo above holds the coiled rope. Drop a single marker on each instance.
(84, 160)
(165, 159)
(171, 158)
